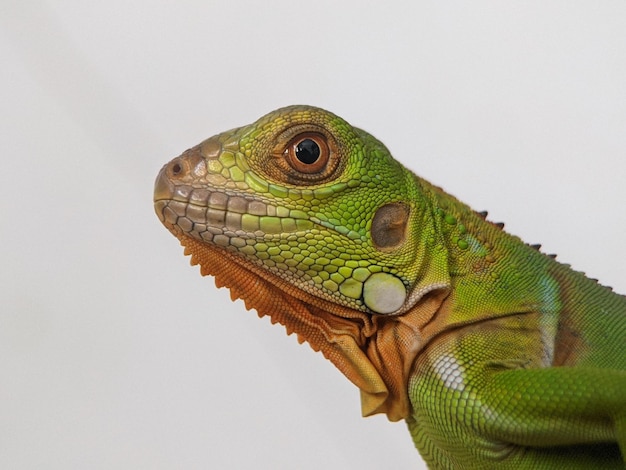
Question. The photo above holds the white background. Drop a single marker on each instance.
(114, 353)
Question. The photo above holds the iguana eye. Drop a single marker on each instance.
(308, 153)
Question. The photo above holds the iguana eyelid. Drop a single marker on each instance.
(316, 167)
(326, 169)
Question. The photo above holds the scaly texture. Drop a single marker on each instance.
(496, 355)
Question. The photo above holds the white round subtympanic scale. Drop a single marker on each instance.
(384, 293)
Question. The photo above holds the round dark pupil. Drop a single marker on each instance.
(307, 151)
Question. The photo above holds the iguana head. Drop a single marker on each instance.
(311, 222)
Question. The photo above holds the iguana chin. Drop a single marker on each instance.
(496, 355)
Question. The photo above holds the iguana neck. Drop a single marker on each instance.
(492, 272)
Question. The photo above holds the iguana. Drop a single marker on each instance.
(495, 354)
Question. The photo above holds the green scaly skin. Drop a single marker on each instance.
(496, 355)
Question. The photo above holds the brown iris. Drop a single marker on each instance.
(308, 153)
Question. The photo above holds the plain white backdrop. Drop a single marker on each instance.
(114, 352)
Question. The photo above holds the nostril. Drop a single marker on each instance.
(177, 168)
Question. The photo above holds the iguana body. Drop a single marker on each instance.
(496, 355)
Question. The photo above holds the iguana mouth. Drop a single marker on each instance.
(224, 218)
